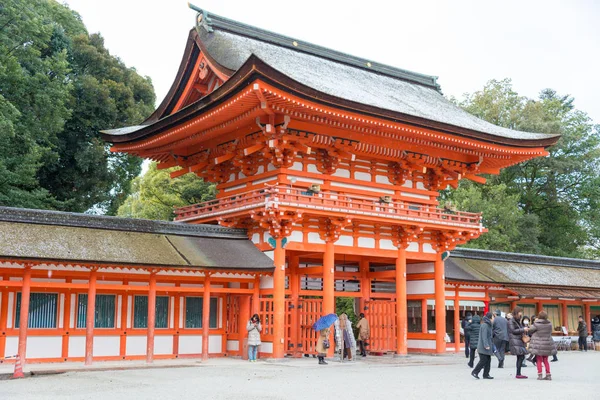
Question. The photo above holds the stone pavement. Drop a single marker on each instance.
(412, 377)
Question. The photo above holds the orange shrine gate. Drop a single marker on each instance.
(333, 165)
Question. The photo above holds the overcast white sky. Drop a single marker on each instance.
(538, 44)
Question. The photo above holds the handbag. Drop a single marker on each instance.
(525, 338)
(326, 344)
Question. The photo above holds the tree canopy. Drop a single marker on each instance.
(547, 205)
(155, 194)
(59, 86)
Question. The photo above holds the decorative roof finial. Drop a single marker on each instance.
(202, 18)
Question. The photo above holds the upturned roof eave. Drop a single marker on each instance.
(255, 68)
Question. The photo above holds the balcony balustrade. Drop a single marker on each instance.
(285, 197)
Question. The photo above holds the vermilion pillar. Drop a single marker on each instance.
(401, 306)
(151, 318)
(328, 279)
(244, 317)
(365, 284)
(587, 314)
(90, 319)
(3, 320)
(24, 314)
(279, 300)
(294, 288)
(205, 317)
(456, 319)
(440, 305)
(256, 295)
(329, 287)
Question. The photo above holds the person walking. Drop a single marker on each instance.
(254, 328)
(363, 334)
(500, 333)
(465, 325)
(583, 334)
(322, 345)
(474, 328)
(596, 329)
(542, 344)
(515, 338)
(485, 347)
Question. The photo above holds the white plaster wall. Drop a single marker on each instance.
(360, 187)
(362, 176)
(366, 242)
(313, 237)
(163, 344)
(270, 254)
(11, 306)
(420, 185)
(215, 344)
(420, 268)
(296, 236)
(342, 173)
(12, 346)
(386, 244)
(472, 294)
(312, 168)
(256, 238)
(266, 282)
(413, 246)
(415, 195)
(233, 345)
(382, 179)
(266, 347)
(427, 248)
(136, 345)
(450, 292)
(232, 188)
(76, 346)
(421, 344)
(106, 346)
(345, 240)
(271, 167)
(297, 166)
(190, 344)
(44, 346)
(420, 287)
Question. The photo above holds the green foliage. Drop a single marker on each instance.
(346, 305)
(547, 205)
(58, 87)
(155, 194)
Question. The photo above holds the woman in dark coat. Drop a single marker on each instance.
(474, 328)
(542, 345)
(516, 344)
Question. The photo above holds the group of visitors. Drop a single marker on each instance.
(345, 343)
(521, 336)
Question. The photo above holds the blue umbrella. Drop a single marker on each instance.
(325, 322)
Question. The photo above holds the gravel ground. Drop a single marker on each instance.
(413, 377)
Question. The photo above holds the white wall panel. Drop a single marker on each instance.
(420, 287)
(105, 346)
(163, 344)
(136, 345)
(44, 346)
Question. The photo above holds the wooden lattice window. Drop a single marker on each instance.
(140, 312)
(104, 313)
(42, 310)
(193, 312)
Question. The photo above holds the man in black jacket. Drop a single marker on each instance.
(465, 325)
(500, 337)
(583, 334)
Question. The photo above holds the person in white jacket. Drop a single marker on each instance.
(254, 328)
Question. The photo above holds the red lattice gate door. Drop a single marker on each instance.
(309, 310)
(381, 315)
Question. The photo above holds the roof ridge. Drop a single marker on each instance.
(61, 218)
(525, 258)
(210, 21)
